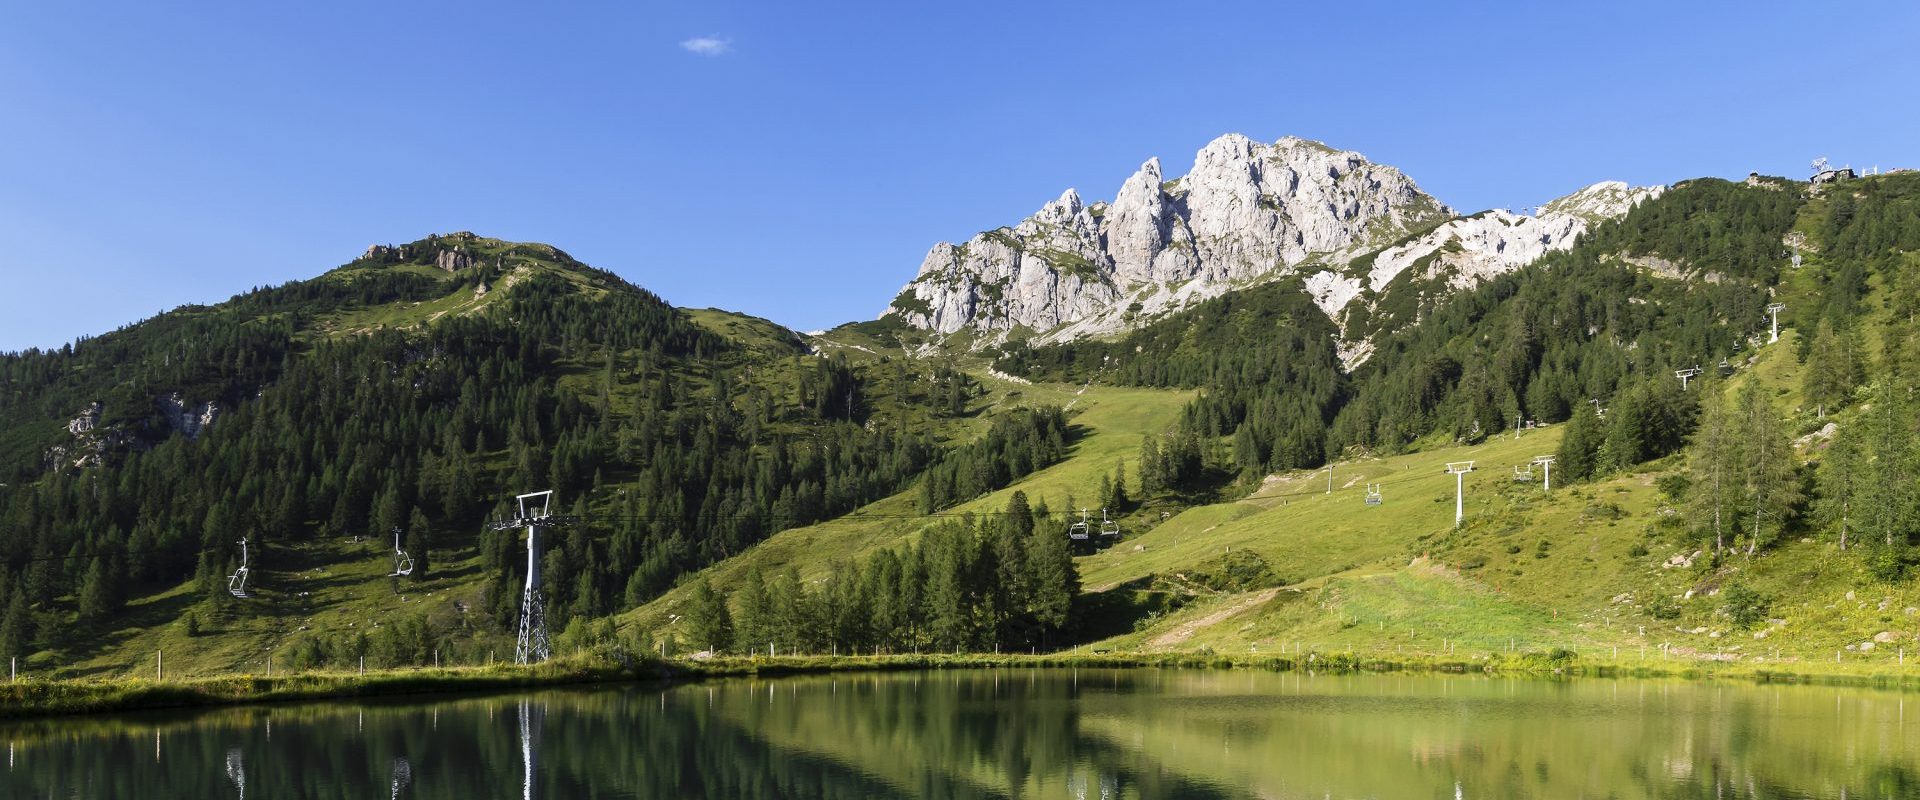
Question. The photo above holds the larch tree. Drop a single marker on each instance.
(1714, 465)
(1769, 475)
(1838, 483)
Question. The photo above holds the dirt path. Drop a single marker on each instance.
(1186, 630)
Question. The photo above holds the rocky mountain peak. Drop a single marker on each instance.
(1247, 211)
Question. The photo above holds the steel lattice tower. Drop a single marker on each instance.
(533, 645)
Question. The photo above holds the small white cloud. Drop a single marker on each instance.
(708, 46)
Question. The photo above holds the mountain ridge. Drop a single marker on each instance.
(1247, 212)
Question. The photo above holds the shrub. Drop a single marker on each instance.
(1663, 607)
(1743, 605)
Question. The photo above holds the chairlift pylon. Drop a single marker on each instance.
(402, 563)
(237, 582)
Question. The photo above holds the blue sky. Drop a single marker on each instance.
(795, 160)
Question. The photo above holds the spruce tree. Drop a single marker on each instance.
(1151, 481)
(419, 540)
(1580, 445)
(16, 625)
(709, 623)
(755, 625)
(1054, 581)
(99, 591)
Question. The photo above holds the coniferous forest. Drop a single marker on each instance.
(679, 447)
(413, 389)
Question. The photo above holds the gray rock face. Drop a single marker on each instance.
(1246, 211)
(186, 419)
(452, 260)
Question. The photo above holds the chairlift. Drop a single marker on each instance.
(1109, 529)
(237, 582)
(1523, 474)
(1373, 494)
(1081, 531)
(402, 563)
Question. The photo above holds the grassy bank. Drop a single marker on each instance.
(35, 698)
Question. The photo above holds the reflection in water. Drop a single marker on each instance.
(529, 744)
(1013, 734)
(402, 775)
(237, 771)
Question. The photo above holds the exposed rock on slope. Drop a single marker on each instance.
(1466, 251)
(1246, 211)
(1470, 249)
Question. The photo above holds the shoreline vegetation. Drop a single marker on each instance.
(30, 698)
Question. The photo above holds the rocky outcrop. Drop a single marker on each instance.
(93, 441)
(90, 441)
(1246, 211)
(1466, 251)
(452, 260)
(187, 419)
(446, 251)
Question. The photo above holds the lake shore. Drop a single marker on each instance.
(42, 698)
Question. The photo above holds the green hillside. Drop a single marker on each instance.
(1615, 562)
(412, 389)
(860, 489)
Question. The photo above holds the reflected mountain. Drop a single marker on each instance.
(1009, 734)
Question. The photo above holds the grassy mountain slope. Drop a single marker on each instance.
(710, 445)
(1609, 566)
(1110, 422)
(413, 388)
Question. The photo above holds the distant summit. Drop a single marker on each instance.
(1247, 213)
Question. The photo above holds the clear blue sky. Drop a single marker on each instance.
(795, 160)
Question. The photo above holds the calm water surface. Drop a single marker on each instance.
(1039, 733)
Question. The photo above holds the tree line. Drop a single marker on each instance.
(1003, 581)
